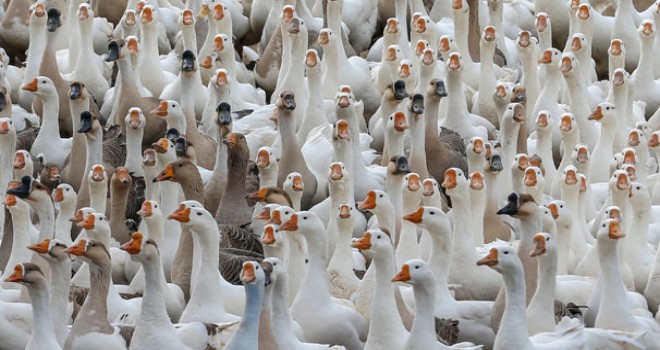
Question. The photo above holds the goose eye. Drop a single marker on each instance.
(304, 218)
(155, 205)
(287, 213)
(199, 214)
(638, 187)
(274, 264)
(506, 252)
(561, 206)
(67, 190)
(603, 225)
(43, 82)
(380, 196)
(378, 237)
(432, 213)
(256, 267)
(417, 267)
(547, 239)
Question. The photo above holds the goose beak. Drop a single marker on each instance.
(166, 174)
(248, 276)
(363, 243)
(10, 200)
(476, 181)
(77, 249)
(369, 203)
(539, 246)
(88, 223)
(450, 180)
(415, 217)
(41, 247)
(489, 260)
(17, 275)
(59, 195)
(291, 225)
(404, 274)
(182, 214)
(32, 86)
(269, 235)
(134, 246)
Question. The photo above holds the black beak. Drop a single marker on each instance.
(294, 26)
(113, 52)
(75, 91)
(54, 19)
(188, 61)
(399, 90)
(85, 122)
(417, 104)
(495, 163)
(3, 101)
(511, 208)
(289, 102)
(519, 97)
(224, 113)
(440, 89)
(180, 146)
(402, 166)
(22, 191)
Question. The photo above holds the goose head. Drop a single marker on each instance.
(533, 177)
(219, 11)
(37, 14)
(150, 210)
(477, 182)
(375, 242)
(454, 182)
(579, 42)
(304, 222)
(570, 177)
(311, 59)
(148, 16)
(543, 244)
(31, 190)
(568, 64)
(459, 6)
(636, 138)
(78, 91)
(454, 62)
(253, 274)
(431, 187)
(187, 18)
(97, 174)
(375, 201)
(40, 86)
(54, 21)
(286, 101)
(272, 236)
(265, 158)
(605, 113)
(397, 123)
(397, 90)
(91, 251)
(141, 248)
(550, 58)
(294, 183)
(392, 26)
(27, 274)
(85, 13)
(411, 183)
(23, 161)
(188, 61)
(421, 46)
(121, 177)
(543, 121)
(493, 157)
(476, 146)
(51, 250)
(193, 215)
(341, 131)
(542, 22)
(525, 41)
(446, 45)
(654, 140)
(65, 194)
(81, 214)
(337, 173)
(619, 181)
(430, 218)
(519, 206)
(560, 212)
(489, 36)
(501, 259)
(343, 100)
(168, 109)
(617, 48)
(406, 69)
(345, 216)
(646, 30)
(567, 124)
(117, 49)
(428, 56)
(325, 36)
(609, 232)
(638, 195)
(281, 214)
(90, 125)
(415, 272)
(503, 92)
(581, 154)
(164, 149)
(95, 222)
(629, 156)
(398, 166)
(177, 171)
(514, 114)
(631, 171)
(224, 120)
(129, 20)
(135, 119)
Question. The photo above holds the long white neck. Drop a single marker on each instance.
(564, 233)
(43, 332)
(456, 106)
(461, 31)
(400, 8)
(312, 116)
(296, 265)
(46, 214)
(463, 244)
(614, 306)
(478, 200)
(62, 223)
(513, 329)
(423, 330)
(60, 280)
(134, 150)
(49, 120)
(86, 43)
(280, 317)
(189, 38)
(418, 145)
(37, 45)
(636, 241)
(21, 240)
(314, 287)
(153, 315)
(439, 262)
(540, 312)
(580, 107)
(207, 278)
(98, 198)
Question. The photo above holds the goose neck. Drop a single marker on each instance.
(513, 327)
(98, 199)
(134, 151)
(614, 303)
(280, 316)
(153, 303)
(43, 325)
(423, 326)
(440, 260)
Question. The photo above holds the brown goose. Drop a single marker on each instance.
(130, 97)
(292, 159)
(233, 208)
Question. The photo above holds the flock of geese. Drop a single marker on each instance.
(329, 174)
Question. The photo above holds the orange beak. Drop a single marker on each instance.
(88, 223)
(134, 246)
(188, 18)
(541, 23)
(476, 181)
(539, 246)
(17, 275)
(615, 214)
(324, 37)
(291, 225)
(343, 130)
(4, 128)
(647, 28)
(10, 200)
(369, 203)
(219, 43)
(615, 231)
(134, 122)
(41, 247)
(78, 249)
(489, 33)
(428, 58)
(181, 215)
(456, 4)
(404, 71)
(404, 274)
(500, 91)
(413, 182)
(31, 86)
(311, 58)
(54, 173)
(450, 180)
(654, 141)
(247, 276)
(443, 46)
(554, 210)
(161, 111)
(420, 47)
(298, 184)
(400, 124)
(218, 12)
(583, 12)
(344, 212)
(263, 159)
(524, 38)
(429, 190)
(59, 195)
(275, 218)
(576, 44)
(490, 259)
(566, 123)
(98, 173)
(566, 65)
(263, 214)
(542, 120)
(546, 58)
(147, 15)
(421, 25)
(454, 62)
(336, 172)
(166, 174)
(392, 26)
(615, 47)
(207, 62)
(19, 160)
(478, 145)
(363, 243)
(77, 217)
(287, 14)
(269, 235)
(633, 139)
(571, 177)
(622, 182)
(221, 78)
(530, 177)
(629, 157)
(146, 210)
(260, 195)
(415, 217)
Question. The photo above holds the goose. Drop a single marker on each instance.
(579, 105)
(528, 52)
(349, 328)
(268, 167)
(79, 102)
(614, 309)
(202, 308)
(513, 331)
(36, 45)
(417, 273)
(21, 235)
(485, 106)
(570, 138)
(544, 146)
(93, 74)
(605, 113)
(30, 275)
(463, 246)
(637, 254)
(66, 196)
(643, 78)
(23, 165)
(91, 328)
(150, 74)
(53, 251)
(153, 326)
(254, 279)
(50, 145)
(343, 282)
(474, 316)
